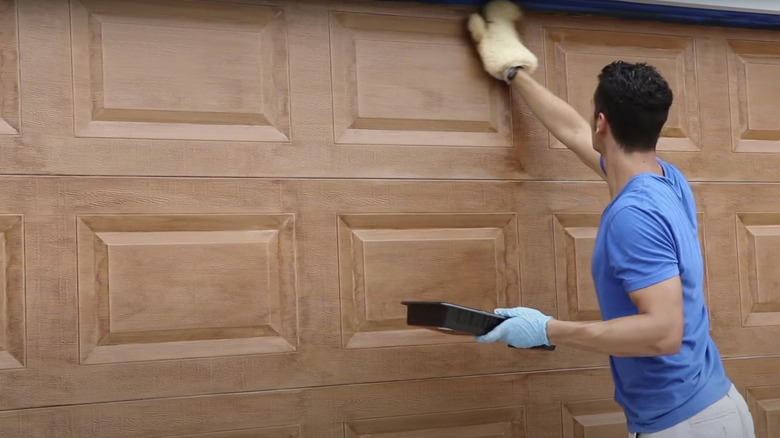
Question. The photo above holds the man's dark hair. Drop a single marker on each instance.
(635, 99)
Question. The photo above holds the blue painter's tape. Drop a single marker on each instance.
(640, 11)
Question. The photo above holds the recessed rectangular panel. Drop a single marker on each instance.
(465, 259)
(390, 86)
(487, 423)
(575, 57)
(12, 293)
(155, 287)
(754, 67)
(764, 404)
(189, 280)
(389, 75)
(180, 70)
(9, 69)
(432, 263)
(594, 419)
(575, 237)
(131, 50)
(758, 249)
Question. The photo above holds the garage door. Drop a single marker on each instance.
(210, 213)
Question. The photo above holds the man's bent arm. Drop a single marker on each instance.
(656, 331)
(563, 121)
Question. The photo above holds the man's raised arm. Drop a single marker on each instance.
(502, 52)
(563, 121)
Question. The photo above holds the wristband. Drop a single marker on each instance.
(511, 72)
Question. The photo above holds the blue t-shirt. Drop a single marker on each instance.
(649, 234)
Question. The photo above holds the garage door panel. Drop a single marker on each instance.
(693, 59)
(374, 162)
(575, 237)
(180, 71)
(574, 58)
(273, 416)
(757, 380)
(594, 418)
(145, 119)
(471, 407)
(387, 259)
(161, 291)
(407, 255)
(10, 117)
(389, 87)
(742, 227)
(559, 222)
(172, 287)
(764, 402)
(753, 65)
(564, 405)
(350, 323)
(355, 114)
(13, 337)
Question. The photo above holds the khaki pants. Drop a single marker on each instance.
(729, 417)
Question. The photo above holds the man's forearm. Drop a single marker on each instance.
(560, 118)
(557, 115)
(636, 336)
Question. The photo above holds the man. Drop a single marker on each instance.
(647, 265)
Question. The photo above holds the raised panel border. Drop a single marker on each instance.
(10, 115)
(579, 416)
(586, 225)
(565, 225)
(764, 404)
(93, 120)
(350, 128)
(559, 41)
(503, 226)
(745, 139)
(12, 305)
(750, 226)
(99, 345)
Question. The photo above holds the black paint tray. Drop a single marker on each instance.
(448, 316)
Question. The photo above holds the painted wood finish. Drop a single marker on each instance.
(210, 212)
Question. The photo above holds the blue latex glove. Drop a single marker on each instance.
(525, 328)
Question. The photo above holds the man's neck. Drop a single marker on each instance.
(622, 167)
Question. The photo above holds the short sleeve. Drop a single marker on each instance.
(641, 249)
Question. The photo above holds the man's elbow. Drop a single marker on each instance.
(669, 346)
(670, 343)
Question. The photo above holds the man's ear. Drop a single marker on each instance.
(601, 124)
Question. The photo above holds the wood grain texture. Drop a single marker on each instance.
(753, 68)
(429, 251)
(483, 404)
(211, 211)
(334, 100)
(163, 287)
(12, 298)
(574, 58)
(10, 120)
(179, 70)
(389, 86)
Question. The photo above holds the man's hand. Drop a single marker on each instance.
(497, 40)
(525, 328)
